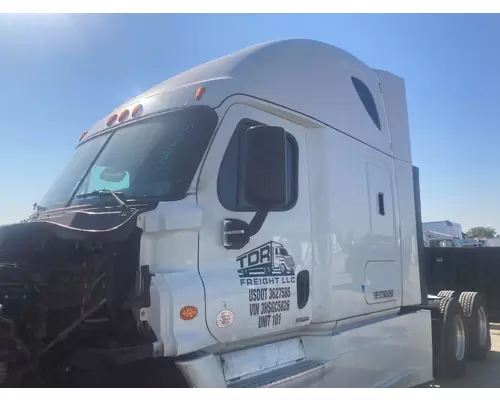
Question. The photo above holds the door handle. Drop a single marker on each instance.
(239, 232)
(234, 236)
(381, 205)
(302, 288)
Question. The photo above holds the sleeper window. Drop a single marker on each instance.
(368, 101)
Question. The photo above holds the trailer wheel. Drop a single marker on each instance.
(474, 307)
(450, 335)
(447, 293)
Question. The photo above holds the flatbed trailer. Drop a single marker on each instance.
(466, 269)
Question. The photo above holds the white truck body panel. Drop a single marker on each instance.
(390, 352)
(493, 242)
(225, 288)
(344, 208)
(352, 227)
(394, 95)
(318, 86)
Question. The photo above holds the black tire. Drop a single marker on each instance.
(447, 293)
(447, 363)
(474, 307)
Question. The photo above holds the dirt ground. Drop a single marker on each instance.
(485, 374)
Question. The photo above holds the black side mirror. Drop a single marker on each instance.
(264, 173)
(112, 176)
(265, 167)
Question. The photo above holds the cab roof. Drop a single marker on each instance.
(307, 76)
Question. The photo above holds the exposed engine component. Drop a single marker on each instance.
(59, 296)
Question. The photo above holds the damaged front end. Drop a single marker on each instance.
(71, 294)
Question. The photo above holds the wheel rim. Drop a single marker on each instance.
(483, 326)
(459, 338)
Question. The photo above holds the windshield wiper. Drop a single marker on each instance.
(112, 193)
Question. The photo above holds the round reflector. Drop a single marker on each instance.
(188, 312)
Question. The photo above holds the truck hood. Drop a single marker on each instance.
(74, 225)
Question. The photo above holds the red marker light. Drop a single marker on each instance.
(83, 135)
(124, 115)
(112, 119)
(137, 111)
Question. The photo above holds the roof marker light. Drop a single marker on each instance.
(137, 111)
(112, 119)
(200, 92)
(123, 115)
(83, 135)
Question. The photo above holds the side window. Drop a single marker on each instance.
(368, 101)
(230, 186)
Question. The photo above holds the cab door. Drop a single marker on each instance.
(263, 287)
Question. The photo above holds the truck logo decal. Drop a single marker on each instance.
(268, 260)
(269, 273)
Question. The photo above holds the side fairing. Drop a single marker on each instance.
(169, 245)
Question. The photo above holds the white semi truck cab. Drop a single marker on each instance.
(251, 222)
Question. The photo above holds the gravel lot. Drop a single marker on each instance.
(484, 374)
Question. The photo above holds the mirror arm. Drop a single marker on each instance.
(256, 223)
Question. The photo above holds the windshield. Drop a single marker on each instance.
(155, 158)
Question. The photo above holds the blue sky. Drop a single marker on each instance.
(61, 73)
